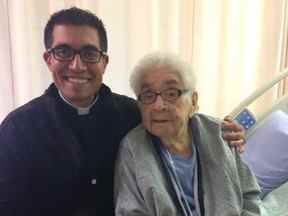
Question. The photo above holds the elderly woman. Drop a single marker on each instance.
(176, 162)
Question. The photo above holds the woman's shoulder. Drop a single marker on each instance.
(138, 142)
(206, 120)
(135, 136)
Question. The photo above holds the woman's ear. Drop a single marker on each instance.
(194, 103)
(194, 100)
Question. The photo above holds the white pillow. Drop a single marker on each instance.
(267, 151)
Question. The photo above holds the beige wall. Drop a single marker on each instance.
(233, 45)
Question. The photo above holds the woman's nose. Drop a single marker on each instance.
(159, 103)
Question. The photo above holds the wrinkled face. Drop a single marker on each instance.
(162, 118)
(78, 81)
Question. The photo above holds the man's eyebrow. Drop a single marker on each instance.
(90, 46)
(86, 46)
(62, 45)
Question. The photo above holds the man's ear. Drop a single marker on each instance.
(105, 60)
(47, 58)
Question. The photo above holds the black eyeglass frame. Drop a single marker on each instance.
(75, 52)
(154, 95)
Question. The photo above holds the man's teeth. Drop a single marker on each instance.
(78, 80)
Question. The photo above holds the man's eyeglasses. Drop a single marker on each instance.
(88, 54)
(170, 95)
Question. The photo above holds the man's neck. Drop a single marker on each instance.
(81, 109)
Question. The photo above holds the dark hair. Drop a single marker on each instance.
(75, 16)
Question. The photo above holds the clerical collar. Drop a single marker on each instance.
(80, 110)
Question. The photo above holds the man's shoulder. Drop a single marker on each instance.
(28, 111)
(123, 100)
(120, 101)
(36, 105)
(128, 109)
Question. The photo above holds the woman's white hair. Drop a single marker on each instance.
(154, 60)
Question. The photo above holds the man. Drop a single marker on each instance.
(57, 152)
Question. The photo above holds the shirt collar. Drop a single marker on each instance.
(80, 110)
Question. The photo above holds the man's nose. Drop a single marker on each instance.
(77, 64)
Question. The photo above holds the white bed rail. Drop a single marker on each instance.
(258, 92)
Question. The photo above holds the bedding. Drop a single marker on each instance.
(276, 202)
(267, 151)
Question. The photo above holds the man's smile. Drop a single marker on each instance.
(77, 80)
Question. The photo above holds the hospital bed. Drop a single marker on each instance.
(266, 150)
